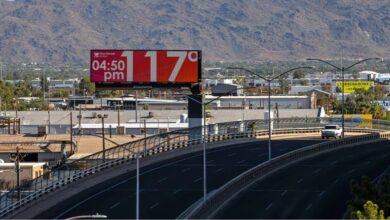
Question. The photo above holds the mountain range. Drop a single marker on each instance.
(58, 31)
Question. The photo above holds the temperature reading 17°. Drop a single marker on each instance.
(192, 56)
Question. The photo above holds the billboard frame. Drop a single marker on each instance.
(147, 85)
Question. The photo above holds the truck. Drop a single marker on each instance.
(333, 131)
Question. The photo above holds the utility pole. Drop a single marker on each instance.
(136, 107)
(17, 167)
(145, 137)
(119, 118)
(79, 118)
(71, 129)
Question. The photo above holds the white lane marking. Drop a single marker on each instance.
(133, 177)
(177, 191)
(197, 179)
(220, 169)
(300, 180)
(351, 171)
(322, 193)
(316, 171)
(115, 205)
(155, 205)
(334, 162)
(336, 180)
(163, 179)
(232, 154)
(241, 161)
(283, 193)
(269, 206)
(309, 206)
(185, 170)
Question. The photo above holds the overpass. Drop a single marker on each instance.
(155, 150)
(311, 188)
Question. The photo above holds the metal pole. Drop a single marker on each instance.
(48, 107)
(144, 137)
(80, 119)
(204, 153)
(137, 189)
(269, 120)
(104, 142)
(71, 129)
(119, 118)
(136, 107)
(18, 172)
(342, 102)
(48, 113)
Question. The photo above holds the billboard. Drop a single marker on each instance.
(352, 86)
(353, 120)
(145, 66)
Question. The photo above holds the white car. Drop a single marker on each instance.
(333, 131)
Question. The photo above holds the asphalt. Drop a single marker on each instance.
(170, 187)
(312, 189)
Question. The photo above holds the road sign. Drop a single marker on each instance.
(144, 67)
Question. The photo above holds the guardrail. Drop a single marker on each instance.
(219, 198)
(78, 169)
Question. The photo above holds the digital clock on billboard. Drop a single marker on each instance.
(145, 66)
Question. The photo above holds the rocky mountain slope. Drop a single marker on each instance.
(57, 31)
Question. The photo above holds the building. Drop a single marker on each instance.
(28, 171)
(261, 102)
(226, 89)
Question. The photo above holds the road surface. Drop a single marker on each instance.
(311, 189)
(170, 187)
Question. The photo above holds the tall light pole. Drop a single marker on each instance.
(137, 188)
(269, 79)
(342, 69)
(204, 104)
(103, 138)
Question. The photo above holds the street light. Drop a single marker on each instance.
(137, 187)
(269, 79)
(204, 136)
(342, 69)
(103, 138)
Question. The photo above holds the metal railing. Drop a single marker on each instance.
(219, 198)
(78, 169)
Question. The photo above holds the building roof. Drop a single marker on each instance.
(22, 164)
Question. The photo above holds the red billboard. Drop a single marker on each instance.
(145, 66)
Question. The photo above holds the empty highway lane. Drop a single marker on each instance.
(169, 187)
(314, 188)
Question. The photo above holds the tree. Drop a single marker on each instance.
(370, 211)
(364, 190)
(87, 85)
(363, 102)
(298, 74)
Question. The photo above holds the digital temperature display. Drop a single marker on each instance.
(145, 66)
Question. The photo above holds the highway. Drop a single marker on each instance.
(170, 187)
(311, 189)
